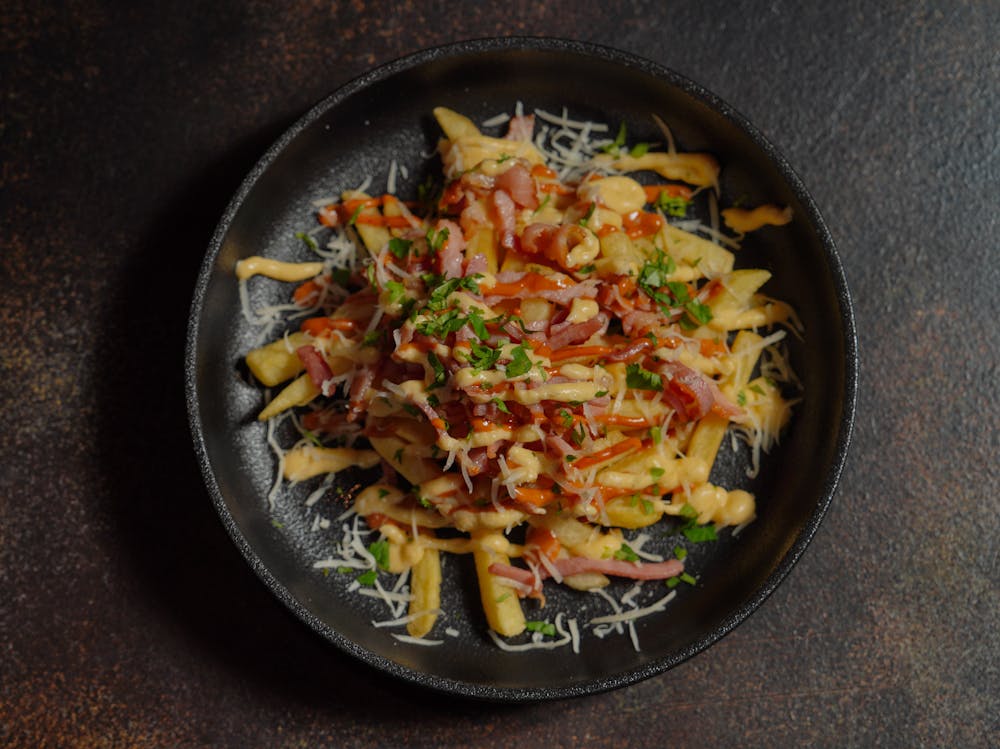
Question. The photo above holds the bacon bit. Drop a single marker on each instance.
(521, 128)
(517, 182)
(632, 351)
(319, 371)
(505, 219)
(615, 451)
(653, 192)
(641, 224)
(320, 326)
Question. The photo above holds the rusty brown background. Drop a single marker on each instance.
(127, 617)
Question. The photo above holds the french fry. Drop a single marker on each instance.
(685, 247)
(735, 298)
(374, 237)
(425, 588)
(296, 393)
(483, 242)
(500, 603)
(707, 437)
(274, 363)
(453, 124)
(309, 460)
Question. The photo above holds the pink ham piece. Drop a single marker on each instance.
(691, 394)
(576, 332)
(579, 565)
(317, 368)
(519, 184)
(521, 128)
(505, 219)
(450, 255)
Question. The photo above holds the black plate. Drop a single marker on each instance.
(386, 115)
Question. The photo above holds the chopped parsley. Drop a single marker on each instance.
(546, 628)
(501, 406)
(672, 205)
(741, 398)
(626, 554)
(371, 338)
(590, 212)
(697, 534)
(400, 247)
(544, 203)
(586, 269)
(425, 502)
(656, 474)
(307, 238)
(656, 434)
(638, 378)
(367, 578)
(443, 288)
(380, 550)
(680, 552)
(483, 357)
(475, 320)
(757, 389)
(397, 292)
(519, 362)
(615, 146)
(436, 239)
(440, 374)
(639, 149)
(354, 216)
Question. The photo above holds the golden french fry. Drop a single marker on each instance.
(453, 124)
(500, 601)
(296, 393)
(685, 247)
(707, 437)
(374, 237)
(425, 588)
(483, 242)
(274, 363)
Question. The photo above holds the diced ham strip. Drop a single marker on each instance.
(521, 128)
(519, 184)
(579, 565)
(319, 371)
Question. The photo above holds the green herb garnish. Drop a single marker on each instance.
(307, 238)
(545, 628)
(626, 554)
(519, 362)
(638, 378)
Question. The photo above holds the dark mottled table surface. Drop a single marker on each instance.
(128, 618)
